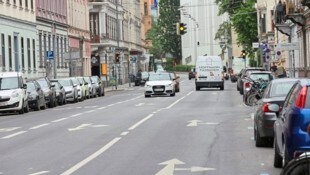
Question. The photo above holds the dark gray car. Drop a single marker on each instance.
(99, 85)
(36, 98)
(49, 91)
(264, 119)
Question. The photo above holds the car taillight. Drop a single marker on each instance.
(247, 84)
(265, 107)
(301, 98)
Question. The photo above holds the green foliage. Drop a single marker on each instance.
(163, 34)
(244, 21)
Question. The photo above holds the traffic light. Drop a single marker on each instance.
(243, 54)
(183, 28)
(117, 58)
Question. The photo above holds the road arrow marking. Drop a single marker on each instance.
(195, 169)
(9, 129)
(169, 168)
(199, 122)
(83, 126)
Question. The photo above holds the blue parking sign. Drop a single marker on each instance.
(50, 55)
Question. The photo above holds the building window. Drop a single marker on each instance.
(26, 4)
(65, 44)
(10, 51)
(23, 52)
(20, 3)
(145, 9)
(57, 48)
(40, 50)
(44, 49)
(34, 53)
(31, 4)
(3, 49)
(61, 52)
(28, 53)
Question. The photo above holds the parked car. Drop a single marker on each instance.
(70, 89)
(99, 85)
(91, 87)
(159, 84)
(60, 92)
(141, 78)
(242, 75)
(176, 80)
(264, 119)
(78, 87)
(49, 91)
(84, 87)
(192, 73)
(36, 98)
(292, 126)
(14, 97)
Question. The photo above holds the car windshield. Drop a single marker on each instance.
(87, 79)
(256, 77)
(42, 83)
(281, 89)
(9, 83)
(75, 81)
(94, 79)
(80, 80)
(65, 82)
(30, 87)
(56, 85)
(145, 75)
(156, 77)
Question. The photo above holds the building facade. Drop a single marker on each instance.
(52, 29)
(202, 24)
(115, 34)
(18, 37)
(79, 38)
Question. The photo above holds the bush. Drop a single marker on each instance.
(179, 68)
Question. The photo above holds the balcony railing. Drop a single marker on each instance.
(288, 10)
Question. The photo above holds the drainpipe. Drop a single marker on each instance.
(305, 50)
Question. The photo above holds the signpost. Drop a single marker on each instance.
(50, 55)
(289, 46)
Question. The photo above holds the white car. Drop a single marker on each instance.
(159, 84)
(13, 94)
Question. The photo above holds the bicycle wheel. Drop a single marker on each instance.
(251, 100)
(299, 166)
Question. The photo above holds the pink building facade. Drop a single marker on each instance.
(52, 26)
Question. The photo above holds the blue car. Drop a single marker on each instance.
(292, 126)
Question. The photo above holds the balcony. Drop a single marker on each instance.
(305, 3)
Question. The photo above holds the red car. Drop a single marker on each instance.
(192, 73)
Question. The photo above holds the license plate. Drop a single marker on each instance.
(3, 103)
(158, 89)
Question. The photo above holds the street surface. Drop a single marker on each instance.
(207, 132)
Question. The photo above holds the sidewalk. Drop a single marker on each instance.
(120, 87)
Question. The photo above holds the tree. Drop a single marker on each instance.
(163, 34)
(243, 20)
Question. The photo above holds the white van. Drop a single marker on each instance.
(209, 72)
(13, 94)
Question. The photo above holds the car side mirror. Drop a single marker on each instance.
(25, 86)
(38, 88)
(61, 87)
(85, 83)
(93, 83)
(74, 85)
(52, 85)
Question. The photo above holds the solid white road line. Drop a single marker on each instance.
(140, 122)
(13, 135)
(179, 100)
(40, 126)
(91, 157)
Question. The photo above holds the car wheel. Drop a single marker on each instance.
(146, 96)
(189, 78)
(22, 110)
(259, 142)
(44, 106)
(173, 94)
(285, 156)
(222, 88)
(37, 107)
(197, 88)
(277, 161)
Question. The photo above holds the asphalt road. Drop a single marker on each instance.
(207, 132)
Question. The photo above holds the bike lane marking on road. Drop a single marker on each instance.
(91, 157)
(15, 134)
(124, 133)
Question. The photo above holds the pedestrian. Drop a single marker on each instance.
(273, 68)
(279, 12)
(281, 72)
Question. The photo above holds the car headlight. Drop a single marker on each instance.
(169, 85)
(147, 85)
(14, 94)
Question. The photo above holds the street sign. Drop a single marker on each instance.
(50, 55)
(289, 46)
(255, 45)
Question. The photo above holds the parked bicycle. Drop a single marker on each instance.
(256, 91)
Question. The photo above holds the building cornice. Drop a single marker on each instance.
(17, 20)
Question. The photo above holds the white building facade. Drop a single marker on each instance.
(202, 24)
(18, 37)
